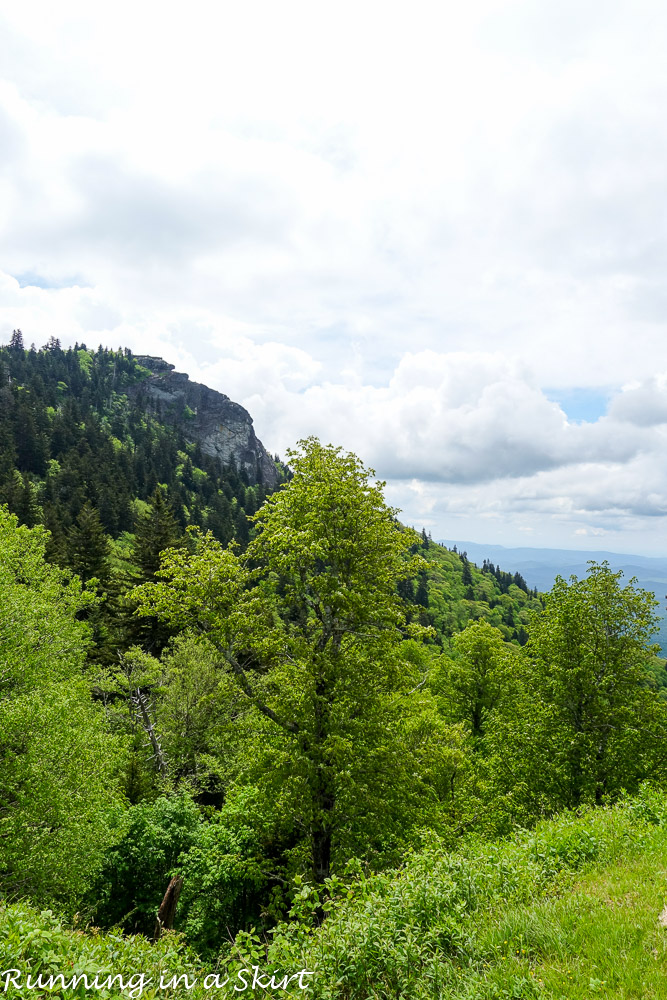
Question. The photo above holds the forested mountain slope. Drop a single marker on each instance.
(100, 428)
(87, 434)
(454, 591)
(261, 728)
(541, 567)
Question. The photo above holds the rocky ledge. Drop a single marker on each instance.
(222, 428)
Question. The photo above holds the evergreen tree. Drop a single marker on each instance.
(242, 527)
(155, 531)
(16, 342)
(421, 596)
(88, 546)
(28, 509)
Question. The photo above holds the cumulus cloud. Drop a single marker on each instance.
(402, 256)
(644, 405)
(455, 418)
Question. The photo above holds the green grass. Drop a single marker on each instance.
(568, 911)
(601, 939)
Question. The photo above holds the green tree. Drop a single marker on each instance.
(581, 721)
(476, 674)
(89, 546)
(22, 500)
(57, 763)
(421, 595)
(16, 341)
(225, 872)
(196, 702)
(310, 625)
(155, 531)
(136, 870)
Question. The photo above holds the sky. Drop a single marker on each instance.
(432, 233)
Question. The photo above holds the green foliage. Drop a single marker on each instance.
(89, 546)
(155, 531)
(309, 624)
(40, 636)
(455, 925)
(541, 915)
(86, 362)
(580, 721)
(73, 435)
(58, 775)
(453, 592)
(194, 710)
(39, 944)
(57, 763)
(225, 872)
(472, 680)
(149, 840)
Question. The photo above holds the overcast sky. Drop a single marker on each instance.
(434, 233)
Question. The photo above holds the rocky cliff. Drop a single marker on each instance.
(222, 428)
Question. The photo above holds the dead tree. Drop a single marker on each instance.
(167, 912)
(139, 702)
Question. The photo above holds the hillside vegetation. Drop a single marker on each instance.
(72, 438)
(327, 742)
(568, 911)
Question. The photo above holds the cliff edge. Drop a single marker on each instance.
(222, 427)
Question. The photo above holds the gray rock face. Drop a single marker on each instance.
(223, 428)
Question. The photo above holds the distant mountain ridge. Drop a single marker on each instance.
(540, 567)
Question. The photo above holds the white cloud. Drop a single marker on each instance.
(392, 228)
(643, 404)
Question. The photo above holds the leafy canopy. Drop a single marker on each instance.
(309, 623)
(57, 763)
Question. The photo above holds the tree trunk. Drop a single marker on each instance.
(167, 912)
(323, 789)
(321, 847)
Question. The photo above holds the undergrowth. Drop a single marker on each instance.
(567, 910)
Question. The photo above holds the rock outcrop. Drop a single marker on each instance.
(222, 428)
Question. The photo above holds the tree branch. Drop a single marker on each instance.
(290, 727)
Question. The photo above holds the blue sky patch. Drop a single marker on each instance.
(31, 280)
(581, 404)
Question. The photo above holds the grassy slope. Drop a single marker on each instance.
(601, 938)
(566, 912)
(569, 911)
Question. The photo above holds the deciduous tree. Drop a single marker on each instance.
(583, 722)
(310, 625)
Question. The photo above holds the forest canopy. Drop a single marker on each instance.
(259, 695)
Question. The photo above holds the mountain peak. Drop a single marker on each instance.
(221, 427)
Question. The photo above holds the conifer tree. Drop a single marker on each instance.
(155, 531)
(241, 527)
(421, 596)
(56, 544)
(16, 342)
(89, 546)
(28, 510)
